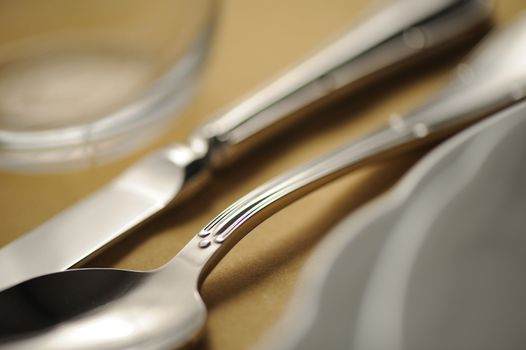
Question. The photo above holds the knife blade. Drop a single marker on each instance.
(390, 38)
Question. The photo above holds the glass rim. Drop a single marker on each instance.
(158, 99)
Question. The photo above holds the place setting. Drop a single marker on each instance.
(433, 262)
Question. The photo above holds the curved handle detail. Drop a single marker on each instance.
(425, 124)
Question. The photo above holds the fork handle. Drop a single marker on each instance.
(394, 35)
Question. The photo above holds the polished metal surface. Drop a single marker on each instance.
(470, 193)
(115, 309)
(393, 34)
(450, 271)
(399, 32)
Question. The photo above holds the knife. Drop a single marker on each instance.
(391, 37)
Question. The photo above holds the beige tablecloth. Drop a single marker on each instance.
(255, 39)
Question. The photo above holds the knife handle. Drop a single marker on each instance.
(499, 81)
(391, 37)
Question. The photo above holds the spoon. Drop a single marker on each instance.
(391, 37)
(115, 309)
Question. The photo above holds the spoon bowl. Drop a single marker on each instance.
(105, 309)
(378, 45)
(115, 309)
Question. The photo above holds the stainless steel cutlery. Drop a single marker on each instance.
(391, 37)
(115, 309)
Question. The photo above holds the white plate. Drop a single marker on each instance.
(379, 281)
(451, 274)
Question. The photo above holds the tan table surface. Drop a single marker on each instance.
(255, 39)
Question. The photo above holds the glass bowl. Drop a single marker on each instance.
(83, 82)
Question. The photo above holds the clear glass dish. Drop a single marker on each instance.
(83, 82)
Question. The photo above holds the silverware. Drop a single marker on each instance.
(398, 33)
(469, 193)
(450, 272)
(115, 309)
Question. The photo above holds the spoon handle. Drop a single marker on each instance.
(395, 34)
(494, 79)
